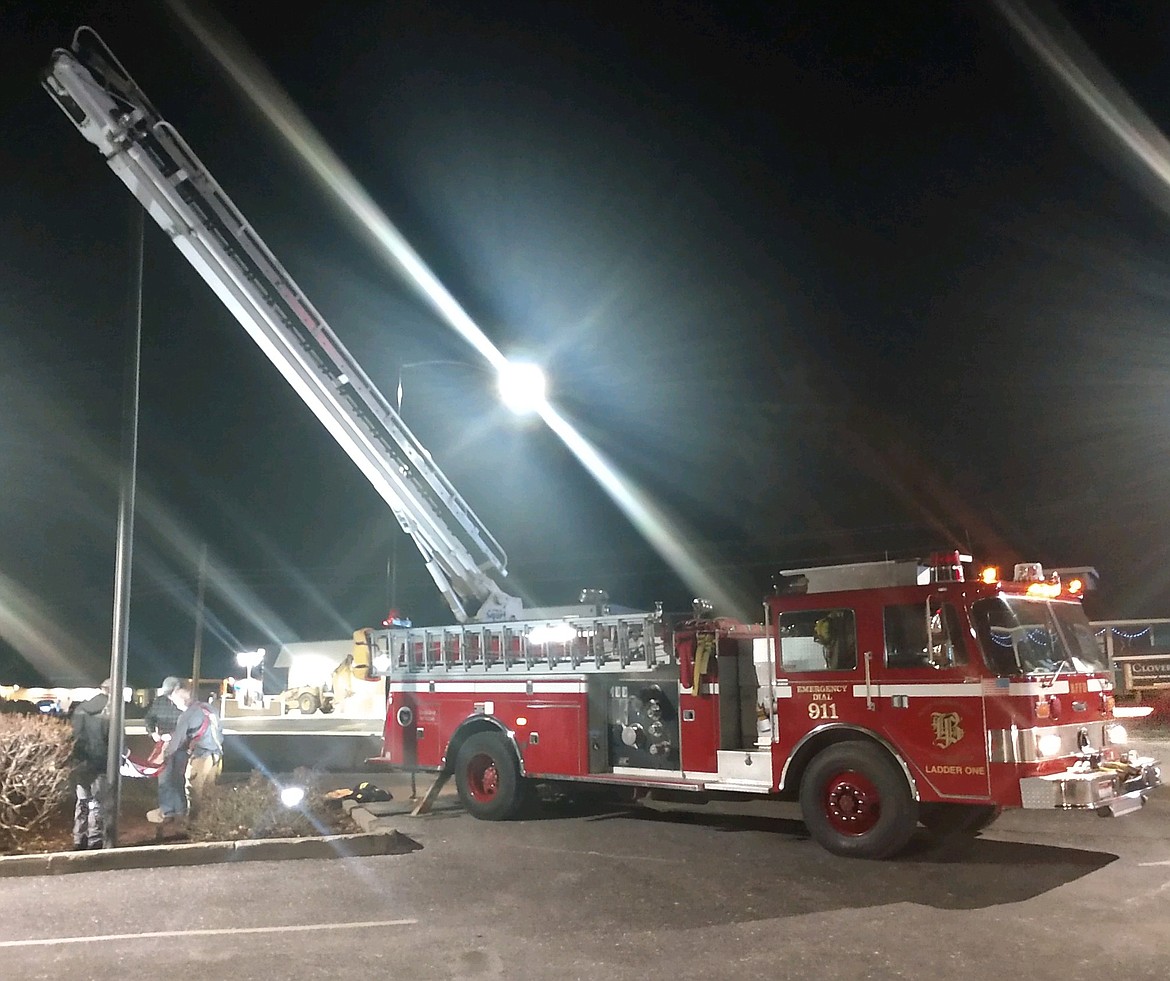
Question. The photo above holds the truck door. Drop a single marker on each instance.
(929, 695)
(818, 668)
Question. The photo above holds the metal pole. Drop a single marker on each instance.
(197, 655)
(125, 547)
(392, 571)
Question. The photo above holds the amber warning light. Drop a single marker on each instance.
(1037, 584)
(1050, 590)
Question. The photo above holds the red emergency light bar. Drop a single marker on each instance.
(1029, 578)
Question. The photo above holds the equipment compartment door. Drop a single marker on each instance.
(552, 739)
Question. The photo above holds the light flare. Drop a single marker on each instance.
(1058, 47)
(665, 534)
(266, 95)
(261, 89)
(40, 637)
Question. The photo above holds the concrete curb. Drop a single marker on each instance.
(376, 816)
(208, 853)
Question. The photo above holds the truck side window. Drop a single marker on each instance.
(946, 636)
(818, 640)
(920, 635)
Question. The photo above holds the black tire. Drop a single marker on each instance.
(856, 802)
(945, 820)
(307, 704)
(487, 776)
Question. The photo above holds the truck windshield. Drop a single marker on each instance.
(1021, 635)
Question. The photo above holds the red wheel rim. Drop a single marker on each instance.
(483, 779)
(852, 803)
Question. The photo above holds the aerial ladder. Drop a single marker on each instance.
(169, 181)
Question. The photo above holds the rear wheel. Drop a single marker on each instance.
(945, 820)
(487, 776)
(307, 703)
(856, 802)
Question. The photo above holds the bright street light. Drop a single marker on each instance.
(522, 386)
(250, 659)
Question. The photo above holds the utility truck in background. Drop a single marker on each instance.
(880, 696)
(308, 699)
(327, 696)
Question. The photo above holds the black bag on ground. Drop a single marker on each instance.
(366, 793)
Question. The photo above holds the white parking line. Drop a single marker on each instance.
(226, 931)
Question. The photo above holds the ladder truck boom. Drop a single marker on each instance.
(161, 171)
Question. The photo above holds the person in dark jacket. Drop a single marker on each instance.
(91, 741)
(163, 713)
(159, 721)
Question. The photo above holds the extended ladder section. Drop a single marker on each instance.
(169, 181)
(583, 644)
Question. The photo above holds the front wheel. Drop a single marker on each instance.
(856, 802)
(487, 776)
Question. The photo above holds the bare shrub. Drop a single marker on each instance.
(35, 771)
(254, 810)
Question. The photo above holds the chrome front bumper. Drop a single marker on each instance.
(1108, 792)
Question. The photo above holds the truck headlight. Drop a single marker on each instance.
(1117, 735)
(1049, 744)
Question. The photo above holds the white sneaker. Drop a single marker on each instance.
(155, 816)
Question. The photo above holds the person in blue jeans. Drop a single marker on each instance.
(172, 778)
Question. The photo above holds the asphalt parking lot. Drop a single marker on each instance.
(590, 891)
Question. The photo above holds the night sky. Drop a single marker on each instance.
(827, 283)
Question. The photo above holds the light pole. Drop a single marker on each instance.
(248, 660)
(123, 556)
(522, 388)
(392, 559)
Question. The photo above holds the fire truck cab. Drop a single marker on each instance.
(880, 696)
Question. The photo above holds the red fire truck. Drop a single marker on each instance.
(879, 696)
